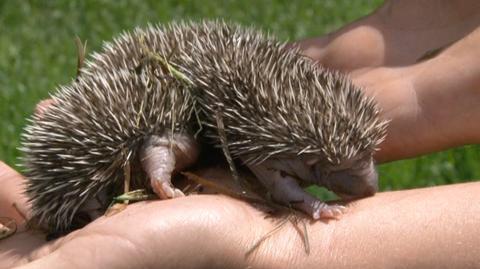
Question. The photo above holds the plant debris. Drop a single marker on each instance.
(8, 227)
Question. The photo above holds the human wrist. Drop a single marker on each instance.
(431, 106)
(247, 237)
(414, 228)
(448, 87)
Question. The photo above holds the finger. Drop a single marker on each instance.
(42, 106)
(13, 204)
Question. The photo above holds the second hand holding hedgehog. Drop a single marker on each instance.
(290, 121)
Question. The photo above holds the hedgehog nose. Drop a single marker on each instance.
(371, 182)
(370, 190)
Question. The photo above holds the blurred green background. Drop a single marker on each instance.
(37, 53)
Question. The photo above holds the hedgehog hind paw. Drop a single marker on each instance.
(161, 156)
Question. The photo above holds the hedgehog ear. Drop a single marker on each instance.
(312, 160)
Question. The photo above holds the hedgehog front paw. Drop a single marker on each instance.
(315, 208)
(321, 210)
(286, 190)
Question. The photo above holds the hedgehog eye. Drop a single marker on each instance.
(361, 164)
(320, 171)
(310, 162)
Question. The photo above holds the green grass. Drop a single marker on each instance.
(37, 53)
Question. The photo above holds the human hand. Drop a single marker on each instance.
(188, 232)
(210, 231)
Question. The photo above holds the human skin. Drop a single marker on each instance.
(437, 98)
(423, 228)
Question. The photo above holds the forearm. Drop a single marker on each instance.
(423, 228)
(456, 75)
(432, 105)
(13, 204)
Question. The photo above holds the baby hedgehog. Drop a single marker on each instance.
(292, 122)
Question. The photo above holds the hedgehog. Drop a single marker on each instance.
(144, 96)
(292, 122)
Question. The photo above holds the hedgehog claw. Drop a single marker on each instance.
(165, 189)
(178, 193)
(318, 209)
(321, 210)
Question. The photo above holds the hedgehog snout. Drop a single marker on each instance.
(360, 180)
